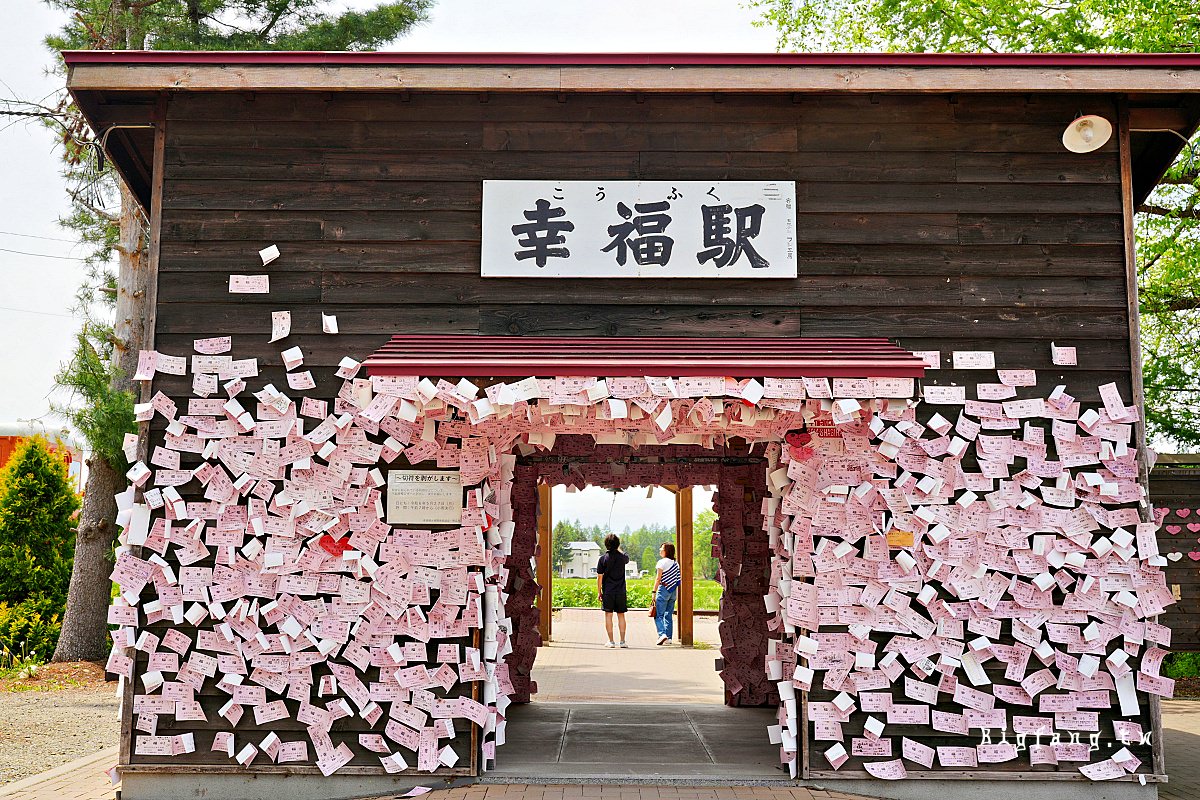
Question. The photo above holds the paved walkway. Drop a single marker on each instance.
(83, 779)
(1181, 738)
(576, 666)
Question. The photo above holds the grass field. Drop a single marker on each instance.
(581, 593)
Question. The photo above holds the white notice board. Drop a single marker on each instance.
(424, 497)
(639, 229)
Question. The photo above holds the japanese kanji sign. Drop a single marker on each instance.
(424, 497)
(639, 229)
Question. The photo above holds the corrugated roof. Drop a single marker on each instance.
(744, 357)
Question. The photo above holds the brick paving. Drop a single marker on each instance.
(1181, 738)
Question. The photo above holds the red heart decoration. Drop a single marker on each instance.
(1182, 512)
(335, 547)
(798, 438)
(1194, 556)
(1194, 527)
(1174, 529)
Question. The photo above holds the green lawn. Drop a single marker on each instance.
(581, 593)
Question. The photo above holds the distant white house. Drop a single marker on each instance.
(582, 563)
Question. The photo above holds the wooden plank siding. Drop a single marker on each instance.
(933, 219)
(1176, 488)
(945, 223)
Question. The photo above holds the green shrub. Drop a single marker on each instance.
(29, 630)
(581, 593)
(1181, 665)
(37, 525)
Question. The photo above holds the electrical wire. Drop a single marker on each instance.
(32, 236)
(42, 313)
(42, 255)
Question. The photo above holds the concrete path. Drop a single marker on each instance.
(576, 666)
(556, 742)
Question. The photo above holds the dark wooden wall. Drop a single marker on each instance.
(947, 223)
(1178, 489)
(943, 223)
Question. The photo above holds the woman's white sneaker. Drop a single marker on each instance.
(661, 639)
(610, 644)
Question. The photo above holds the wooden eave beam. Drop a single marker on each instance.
(1157, 119)
(92, 77)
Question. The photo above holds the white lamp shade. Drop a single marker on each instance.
(1087, 133)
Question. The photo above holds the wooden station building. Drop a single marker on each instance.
(936, 211)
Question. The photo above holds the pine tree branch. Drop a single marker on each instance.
(266, 29)
(76, 197)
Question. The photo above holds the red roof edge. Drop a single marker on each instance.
(1163, 60)
(472, 355)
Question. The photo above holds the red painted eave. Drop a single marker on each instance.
(983, 60)
(521, 356)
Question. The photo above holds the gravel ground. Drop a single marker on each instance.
(41, 729)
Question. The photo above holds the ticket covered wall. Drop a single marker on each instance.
(930, 589)
(975, 590)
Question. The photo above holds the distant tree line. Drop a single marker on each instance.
(641, 544)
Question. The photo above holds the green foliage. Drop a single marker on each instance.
(1181, 665)
(581, 593)
(28, 633)
(37, 529)
(232, 24)
(649, 558)
(704, 565)
(105, 415)
(1168, 227)
(983, 25)
(563, 534)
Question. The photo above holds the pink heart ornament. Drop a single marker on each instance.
(1194, 527)
(1182, 512)
(1174, 529)
(1194, 555)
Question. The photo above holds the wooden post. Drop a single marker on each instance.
(150, 304)
(545, 569)
(683, 527)
(1125, 151)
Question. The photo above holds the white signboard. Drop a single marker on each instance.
(424, 497)
(639, 229)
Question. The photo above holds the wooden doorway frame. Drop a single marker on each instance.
(683, 550)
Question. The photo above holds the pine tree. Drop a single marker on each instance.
(37, 526)
(649, 558)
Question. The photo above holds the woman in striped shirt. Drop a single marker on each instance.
(666, 584)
